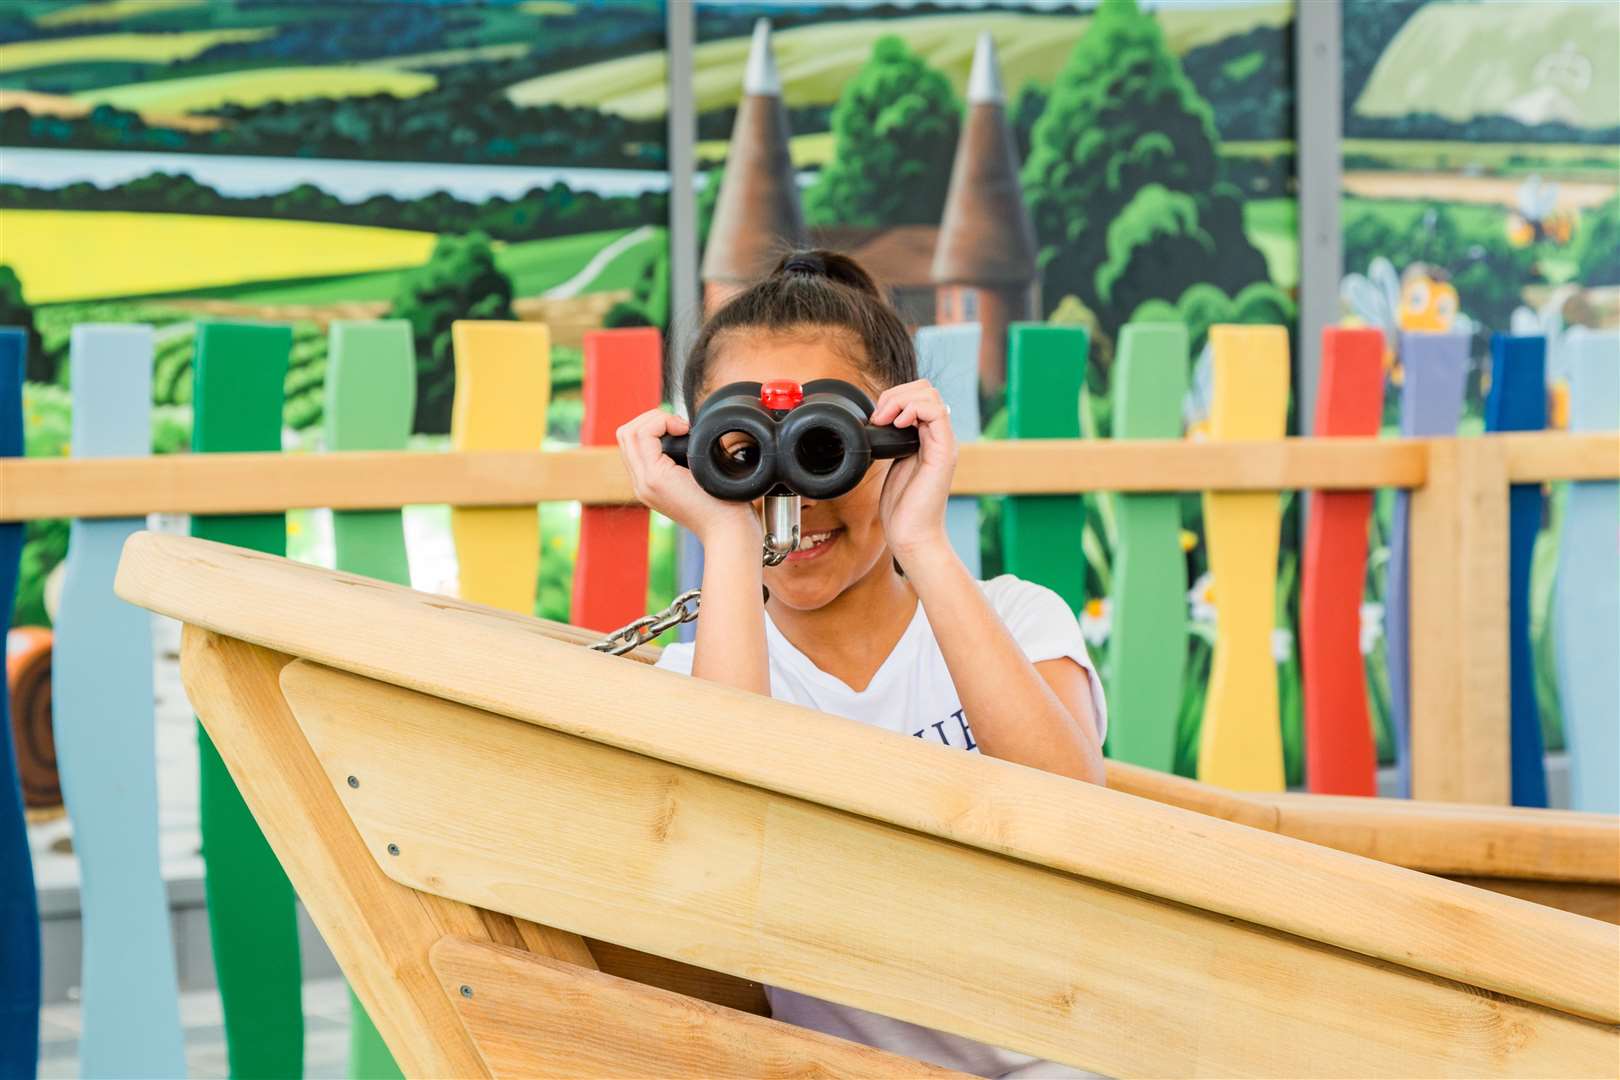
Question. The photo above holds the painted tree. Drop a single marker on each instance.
(894, 129)
(459, 281)
(17, 312)
(1123, 179)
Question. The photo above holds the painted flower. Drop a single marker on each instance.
(1372, 627)
(1189, 540)
(1201, 599)
(1282, 644)
(1097, 620)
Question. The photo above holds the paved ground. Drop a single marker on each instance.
(326, 1034)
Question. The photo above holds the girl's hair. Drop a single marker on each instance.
(808, 290)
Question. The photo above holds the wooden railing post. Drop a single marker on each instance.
(1459, 604)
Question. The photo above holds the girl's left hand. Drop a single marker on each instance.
(912, 506)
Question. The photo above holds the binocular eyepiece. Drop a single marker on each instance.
(751, 439)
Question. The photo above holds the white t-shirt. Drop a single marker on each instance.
(912, 694)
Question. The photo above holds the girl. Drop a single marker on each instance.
(874, 617)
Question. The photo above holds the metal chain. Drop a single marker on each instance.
(683, 609)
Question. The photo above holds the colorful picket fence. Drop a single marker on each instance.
(104, 722)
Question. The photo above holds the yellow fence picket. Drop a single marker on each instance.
(503, 387)
(1241, 742)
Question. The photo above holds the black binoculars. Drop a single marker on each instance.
(754, 439)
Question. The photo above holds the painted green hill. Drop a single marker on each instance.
(1533, 60)
(816, 61)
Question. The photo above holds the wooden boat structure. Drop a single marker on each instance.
(531, 859)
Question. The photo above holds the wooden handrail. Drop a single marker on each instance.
(451, 650)
(33, 488)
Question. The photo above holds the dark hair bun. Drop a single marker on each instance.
(821, 263)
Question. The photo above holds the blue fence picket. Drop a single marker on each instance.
(19, 906)
(1435, 367)
(1518, 402)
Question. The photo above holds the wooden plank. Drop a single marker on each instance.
(1435, 366)
(257, 483)
(379, 931)
(260, 483)
(948, 357)
(1593, 900)
(622, 373)
(448, 648)
(370, 402)
(1586, 608)
(1340, 758)
(503, 386)
(1240, 742)
(666, 858)
(240, 369)
(1518, 402)
(1436, 838)
(1539, 456)
(19, 908)
(1459, 593)
(101, 671)
(530, 1016)
(1040, 534)
(1147, 653)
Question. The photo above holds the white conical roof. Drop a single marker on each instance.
(984, 83)
(760, 77)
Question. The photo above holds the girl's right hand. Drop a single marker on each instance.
(670, 489)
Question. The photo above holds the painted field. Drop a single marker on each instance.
(259, 85)
(809, 151)
(119, 254)
(534, 266)
(817, 61)
(1529, 59)
(101, 11)
(1496, 191)
(140, 48)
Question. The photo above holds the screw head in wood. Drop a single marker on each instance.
(354, 781)
(393, 849)
(466, 991)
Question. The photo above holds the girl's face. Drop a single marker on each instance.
(841, 539)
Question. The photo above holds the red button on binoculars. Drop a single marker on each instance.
(781, 395)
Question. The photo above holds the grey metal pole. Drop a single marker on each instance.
(683, 253)
(679, 18)
(1318, 120)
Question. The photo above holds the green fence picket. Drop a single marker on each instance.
(1147, 642)
(1046, 366)
(239, 373)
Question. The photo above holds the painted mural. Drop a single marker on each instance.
(172, 161)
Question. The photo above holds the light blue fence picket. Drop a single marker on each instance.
(1587, 601)
(948, 357)
(105, 743)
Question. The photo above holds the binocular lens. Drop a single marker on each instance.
(735, 454)
(820, 451)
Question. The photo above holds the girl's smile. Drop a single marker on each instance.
(814, 545)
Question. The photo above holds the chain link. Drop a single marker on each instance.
(683, 609)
